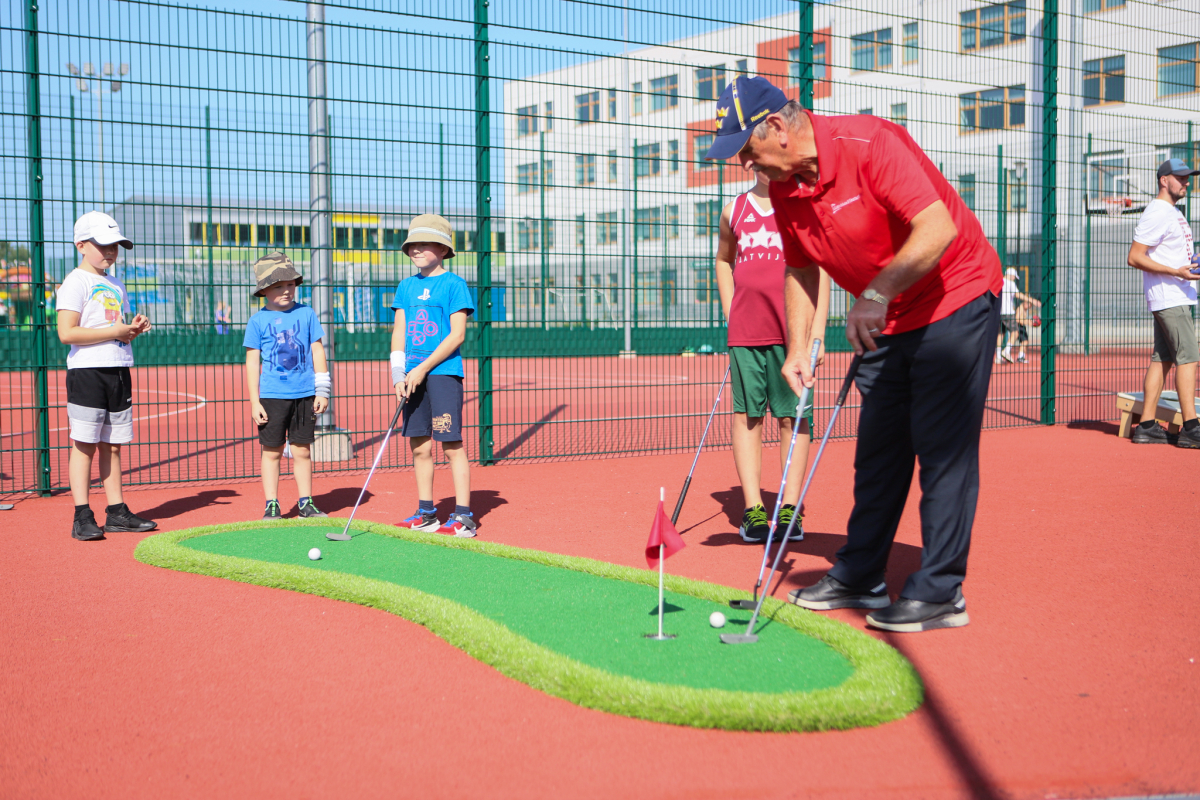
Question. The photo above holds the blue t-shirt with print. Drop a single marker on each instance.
(285, 339)
(427, 304)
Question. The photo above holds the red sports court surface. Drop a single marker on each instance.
(1078, 676)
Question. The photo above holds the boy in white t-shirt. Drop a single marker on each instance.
(1164, 251)
(91, 307)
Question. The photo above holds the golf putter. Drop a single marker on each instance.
(804, 394)
(344, 536)
(688, 482)
(749, 636)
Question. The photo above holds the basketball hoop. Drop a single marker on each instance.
(1115, 206)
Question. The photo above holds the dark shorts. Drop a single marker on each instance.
(100, 404)
(1008, 323)
(435, 409)
(291, 420)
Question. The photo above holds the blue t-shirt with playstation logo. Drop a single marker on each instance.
(427, 304)
(285, 339)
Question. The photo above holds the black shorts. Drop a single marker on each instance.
(435, 409)
(294, 420)
(100, 404)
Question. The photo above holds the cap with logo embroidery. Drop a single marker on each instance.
(744, 103)
(100, 228)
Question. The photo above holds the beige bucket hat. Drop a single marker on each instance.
(430, 228)
(273, 269)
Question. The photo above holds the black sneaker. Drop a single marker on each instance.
(272, 512)
(755, 525)
(122, 520)
(1189, 439)
(85, 529)
(914, 616)
(786, 512)
(829, 593)
(1152, 435)
(307, 509)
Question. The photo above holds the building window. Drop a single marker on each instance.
(991, 26)
(585, 170)
(664, 93)
(870, 112)
(612, 166)
(548, 174)
(671, 217)
(1177, 68)
(393, 238)
(911, 43)
(1104, 81)
(673, 155)
(612, 103)
(992, 109)
(646, 160)
(704, 281)
(636, 102)
(820, 62)
(710, 82)
(700, 146)
(795, 67)
(900, 114)
(527, 178)
(298, 235)
(527, 121)
(743, 66)
(197, 233)
(1092, 6)
(872, 50)
(549, 116)
(648, 224)
(708, 215)
(580, 230)
(587, 107)
(966, 189)
(528, 237)
(606, 228)
(1018, 190)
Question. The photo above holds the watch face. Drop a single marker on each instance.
(869, 294)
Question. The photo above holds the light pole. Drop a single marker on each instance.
(109, 75)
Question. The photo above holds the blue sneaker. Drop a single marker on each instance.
(422, 521)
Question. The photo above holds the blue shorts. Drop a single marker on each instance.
(435, 409)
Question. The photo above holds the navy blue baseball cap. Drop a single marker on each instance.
(744, 103)
(1175, 166)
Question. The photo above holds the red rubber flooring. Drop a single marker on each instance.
(1078, 676)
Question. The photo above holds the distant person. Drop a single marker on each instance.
(288, 380)
(223, 318)
(91, 318)
(1027, 317)
(1010, 297)
(750, 272)
(427, 370)
(1163, 249)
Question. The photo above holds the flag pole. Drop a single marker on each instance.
(660, 520)
(661, 559)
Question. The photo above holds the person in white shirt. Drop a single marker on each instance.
(91, 306)
(1164, 251)
(1009, 324)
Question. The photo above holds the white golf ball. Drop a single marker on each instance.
(716, 619)
(314, 554)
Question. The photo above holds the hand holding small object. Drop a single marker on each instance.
(258, 414)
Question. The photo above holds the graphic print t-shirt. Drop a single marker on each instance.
(100, 300)
(427, 304)
(285, 339)
(756, 314)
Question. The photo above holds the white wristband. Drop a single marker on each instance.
(324, 384)
(398, 371)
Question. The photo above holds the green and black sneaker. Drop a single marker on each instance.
(272, 512)
(786, 512)
(755, 525)
(306, 509)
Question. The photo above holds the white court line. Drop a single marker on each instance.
(203, 402)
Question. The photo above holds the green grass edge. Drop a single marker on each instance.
(883, 687)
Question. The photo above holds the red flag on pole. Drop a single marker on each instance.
(662, 532)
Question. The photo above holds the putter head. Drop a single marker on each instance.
(747, 605)
(738, 638)
(338, 537)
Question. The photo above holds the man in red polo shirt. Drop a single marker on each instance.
(857, 196)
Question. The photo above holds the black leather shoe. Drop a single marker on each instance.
(914, 616)
(829, 593)
(85, 528)
(122, 520)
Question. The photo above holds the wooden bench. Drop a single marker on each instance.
(1169, 411)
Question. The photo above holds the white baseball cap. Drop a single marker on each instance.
(101, 228)
(1011, 273)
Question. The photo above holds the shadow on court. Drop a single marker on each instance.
(186, 505)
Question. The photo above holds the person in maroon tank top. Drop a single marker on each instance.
(750, 272)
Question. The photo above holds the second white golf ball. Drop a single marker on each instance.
(314, 554)
(716, 619)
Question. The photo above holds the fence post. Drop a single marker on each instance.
(1001, 208)
(483, 230)
(1049, 237)
(807, 87)
(208, 203)
(542, 226)
(320, 185)
(37, 248)
(442, 173)
(74, 197)
(1087, 255)
(634, 223)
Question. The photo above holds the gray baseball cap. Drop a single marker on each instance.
(1175, 166)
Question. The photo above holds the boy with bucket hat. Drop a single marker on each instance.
(427, 369)
(91, 306)
(287, 379)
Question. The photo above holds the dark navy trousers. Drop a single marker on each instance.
(923, 399)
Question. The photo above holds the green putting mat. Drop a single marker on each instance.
(574, 627)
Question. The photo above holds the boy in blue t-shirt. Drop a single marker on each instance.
(427, 371)
(287, 379)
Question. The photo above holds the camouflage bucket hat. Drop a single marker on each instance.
(430, 228)
(273, 269)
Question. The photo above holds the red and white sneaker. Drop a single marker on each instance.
(460, 525)
(421, 521)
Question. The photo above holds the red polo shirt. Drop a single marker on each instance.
(873, 180)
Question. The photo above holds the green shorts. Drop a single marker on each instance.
(1175, 336)
(758, 383)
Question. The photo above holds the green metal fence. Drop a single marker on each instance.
(563, 140)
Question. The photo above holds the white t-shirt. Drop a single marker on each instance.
(1007, 294)
(1169, 239)
(100, 301)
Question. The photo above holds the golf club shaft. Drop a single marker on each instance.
(378, 457)
(687, 483)
(841, 400)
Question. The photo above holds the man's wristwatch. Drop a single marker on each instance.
(871, 294)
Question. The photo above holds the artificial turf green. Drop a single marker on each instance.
(595, 620)
(551, 630)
